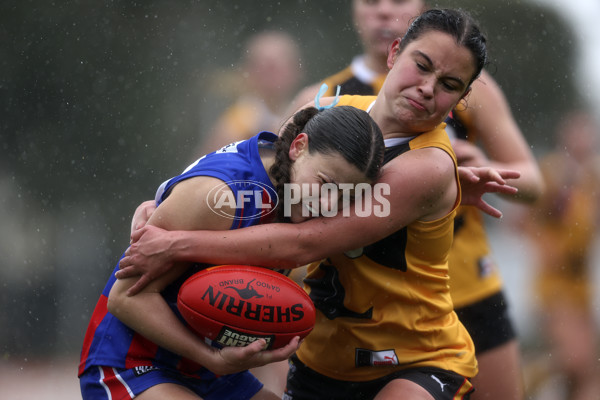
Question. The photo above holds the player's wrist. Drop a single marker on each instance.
(179, 246)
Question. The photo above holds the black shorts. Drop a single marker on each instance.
(306, 384)
(488, 322)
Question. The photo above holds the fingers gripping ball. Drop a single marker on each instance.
(235, 305)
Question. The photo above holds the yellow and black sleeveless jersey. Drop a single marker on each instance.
(355, 79)
(387, 306)
(474, 275)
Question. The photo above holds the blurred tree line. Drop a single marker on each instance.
(102, 101)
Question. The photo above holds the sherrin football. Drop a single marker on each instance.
(234, 305)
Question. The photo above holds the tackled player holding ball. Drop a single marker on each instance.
(137, 346)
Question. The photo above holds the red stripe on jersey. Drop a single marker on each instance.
(99, 313)
(115, 387)
(241, 219)
(141, 352)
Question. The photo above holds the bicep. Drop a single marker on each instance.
(419, 185)
(423, 183)
(189, 206)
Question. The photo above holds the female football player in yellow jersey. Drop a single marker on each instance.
(386, 325)
(476, 285)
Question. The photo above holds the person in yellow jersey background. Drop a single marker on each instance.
(267, 79)
(484, 133)
(563, 229)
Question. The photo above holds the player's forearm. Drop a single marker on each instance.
(530, 184)
(272, 245)
(149, 315)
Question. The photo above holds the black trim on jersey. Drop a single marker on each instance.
(459, 222)
(328, 293)
(390, 251)
(355, 87)
(394, 151)
(460, 130)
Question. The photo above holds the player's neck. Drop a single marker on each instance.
(267, 156)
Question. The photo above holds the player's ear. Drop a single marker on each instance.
(466, 93)
(298, 146)
(393, 53)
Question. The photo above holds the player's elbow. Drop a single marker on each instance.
(539, 187)
(533, 186)
(117, 302)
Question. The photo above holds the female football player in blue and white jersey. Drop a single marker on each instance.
(138, 346)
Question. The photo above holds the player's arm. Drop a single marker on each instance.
(154, 251)
(142, 214)
(500, 136)
(148, 313)
(293, 245)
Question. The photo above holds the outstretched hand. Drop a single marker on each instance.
(477, 181)
(149, 256)
(233, 359)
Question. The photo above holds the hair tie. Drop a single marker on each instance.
(322, 91)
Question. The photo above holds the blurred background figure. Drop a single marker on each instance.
(269, 75)
(563, 226)
(377, 23)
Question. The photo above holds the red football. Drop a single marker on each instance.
(235, 305)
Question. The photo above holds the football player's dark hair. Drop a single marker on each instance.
(457, 23)
(343, 130)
